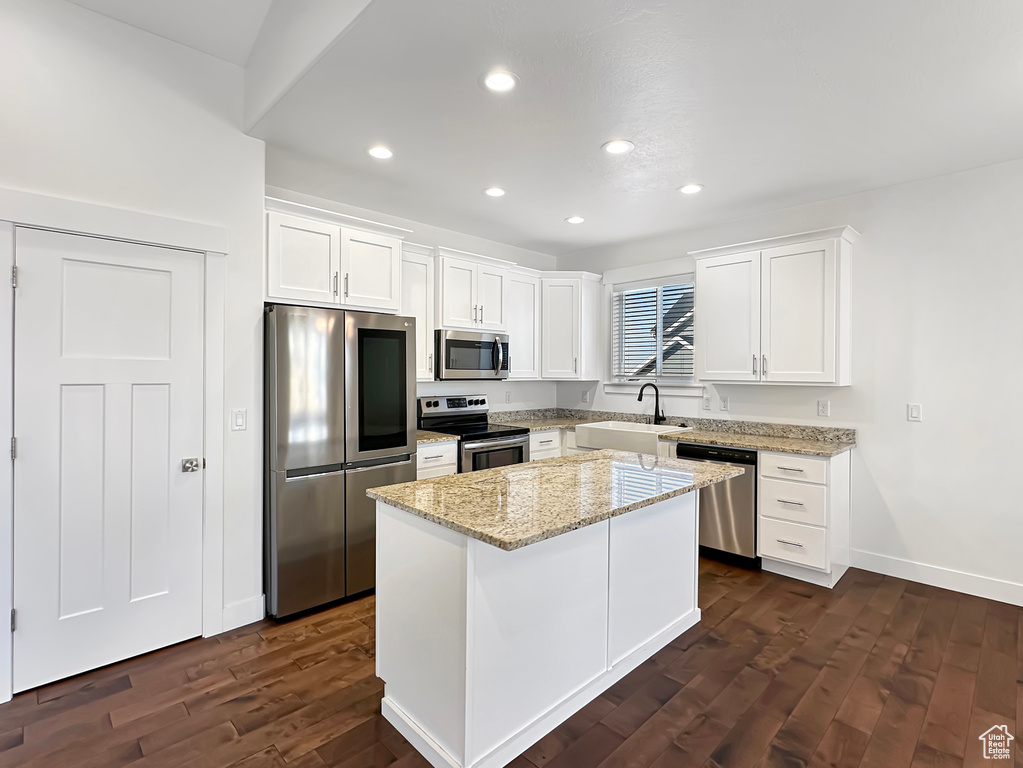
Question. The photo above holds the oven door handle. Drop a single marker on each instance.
(495, 443)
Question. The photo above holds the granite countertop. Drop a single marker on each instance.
(806, 447)
(424, 436)
(538, 425)
(512, 507)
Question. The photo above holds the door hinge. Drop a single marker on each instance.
(14, 448)
(14, 277)
(14, 622)
(204, 463)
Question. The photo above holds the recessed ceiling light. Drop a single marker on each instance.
(575, 219)
(690, 189)
(500, 81)
(619, 147)
(380, 152)
(494, 192)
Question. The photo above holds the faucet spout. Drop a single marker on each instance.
(658, 413)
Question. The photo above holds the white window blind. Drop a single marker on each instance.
(652, 332)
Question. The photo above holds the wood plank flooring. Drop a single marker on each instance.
(878, 672)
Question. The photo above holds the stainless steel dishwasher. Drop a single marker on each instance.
(728, 510)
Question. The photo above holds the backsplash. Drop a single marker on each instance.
(800, 431)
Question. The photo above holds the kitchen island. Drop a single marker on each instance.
(508, 599)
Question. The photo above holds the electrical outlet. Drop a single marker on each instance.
(586, 395)
(823, 407)
(914, 412)
(507, 397)
(706, 402)
(724, 404)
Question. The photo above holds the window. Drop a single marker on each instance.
(652, 331)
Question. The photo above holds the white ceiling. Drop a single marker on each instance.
(226, 29)
(769, 103)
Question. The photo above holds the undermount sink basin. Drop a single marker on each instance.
(622, 435)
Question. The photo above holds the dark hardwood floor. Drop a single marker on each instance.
(879, 672)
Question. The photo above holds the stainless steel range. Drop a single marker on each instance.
(481, 444)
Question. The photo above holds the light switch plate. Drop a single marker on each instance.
(823, 407)
(914, 412)
(239, 420)
(507, 396)
(706, 402)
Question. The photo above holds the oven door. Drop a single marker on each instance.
(471, 355)
(496, 452)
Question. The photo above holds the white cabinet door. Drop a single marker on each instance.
(524, 326)
(728, 317)
(458, 305)
(417, 301)
(303, 258)
(799, 291)
(559, 346)
(371, 271)
(492, 294)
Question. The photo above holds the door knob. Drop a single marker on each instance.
(190, 465)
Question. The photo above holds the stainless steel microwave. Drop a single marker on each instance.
(471, 355)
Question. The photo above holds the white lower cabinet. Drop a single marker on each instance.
(545, 445)
(436, 460)
(803, 516)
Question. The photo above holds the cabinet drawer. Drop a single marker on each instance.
(425, 473)
(544, 441)
(436, 455)
(794, 543)
(798, 502)
(790, 467)
(540, 455)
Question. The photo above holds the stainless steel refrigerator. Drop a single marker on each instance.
(339, 418)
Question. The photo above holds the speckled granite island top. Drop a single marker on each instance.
(512, 507)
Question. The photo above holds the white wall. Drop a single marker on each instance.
(98, 111)
(937, 316)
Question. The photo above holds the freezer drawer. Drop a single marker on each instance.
(306, 552)
(361, 518)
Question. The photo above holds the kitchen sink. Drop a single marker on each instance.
(622, 435)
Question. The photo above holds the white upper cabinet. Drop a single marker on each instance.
(303, 258)
(473, 291)
(417, 291)
(571, 324)
(320, 257)
(370, 271)
(799, 297)
(728, 317)
(524, 324)
(776, 311)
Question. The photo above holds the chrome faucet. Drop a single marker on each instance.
(658, 413)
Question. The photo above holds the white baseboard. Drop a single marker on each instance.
(936, 576)
(244, 612)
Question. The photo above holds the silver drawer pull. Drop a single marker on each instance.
(789, 501)
(431, 458)
(791, 469)
(545, 442)
(790, 543)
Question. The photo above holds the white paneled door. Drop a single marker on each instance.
(108, 382)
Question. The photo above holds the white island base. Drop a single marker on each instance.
(483, 651)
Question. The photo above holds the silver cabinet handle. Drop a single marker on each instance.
(190, 465)
(430, 364)
(754, 365)
(474, 309)
(481, 314)
(763, 366)
(790, 543)
(431, 458)
(575, 365)
(791, 469)
(545, 442)
(346, 285)
(335, 283)
(789, 501)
